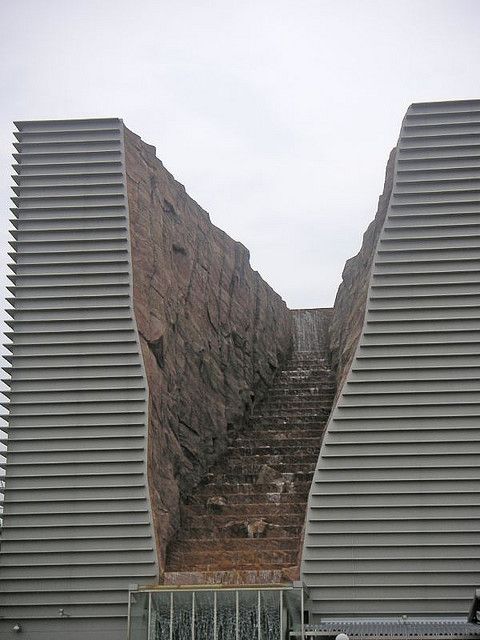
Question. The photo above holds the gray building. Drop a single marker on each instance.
(77, 523)
(393, 521)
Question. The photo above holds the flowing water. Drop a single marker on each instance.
(224, 614)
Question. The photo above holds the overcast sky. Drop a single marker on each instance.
(277, 115)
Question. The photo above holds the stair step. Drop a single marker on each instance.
(306, 388)
(303, 363)
(229, 466)
(256, 462)
(291, 428)
(307, 353)
(303, 378)
(214, 489)
(321, 413)
(304, 373)
(291, 421)
(193, 557)
(314, 361)
(306, 392)
(233, 577)
(299, 404)
(250, 477)
(235, 567)
(207, 522)
(235, 544)
(232, 560)
(289, 434)
(289, 396)
(250, 510)
(290, 532)
(317, 367)
(258, 457)
(290, 411)
(248, 498)
(247, 451)
(279, 438)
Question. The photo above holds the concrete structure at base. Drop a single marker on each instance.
(77, 523)
(393, 522)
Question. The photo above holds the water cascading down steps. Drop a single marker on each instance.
(244, 523)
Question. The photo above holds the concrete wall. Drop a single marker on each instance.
(393, 516)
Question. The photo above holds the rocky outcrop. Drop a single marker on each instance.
(212, 332)
(349, 308)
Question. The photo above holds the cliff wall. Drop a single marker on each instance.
(212, 332)
(349, 308)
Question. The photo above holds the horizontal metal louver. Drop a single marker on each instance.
(393, 522)
(77, 523)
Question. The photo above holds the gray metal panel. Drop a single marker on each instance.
(393, 519)
(77, 522)
(390, 628)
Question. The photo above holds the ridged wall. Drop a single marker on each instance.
(77, 526)
(393, 523)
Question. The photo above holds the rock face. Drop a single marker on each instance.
(244, 522)
(212, 332)
(349, 308)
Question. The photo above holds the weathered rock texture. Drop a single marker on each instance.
(212, 332)
(312, 330)
(244, 522)
(349, 308)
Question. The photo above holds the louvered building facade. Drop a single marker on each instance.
(77, 528)
(393, 523)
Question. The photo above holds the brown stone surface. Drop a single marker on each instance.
(213, 333)
(349, 308)
(230, 578)
(259, 489)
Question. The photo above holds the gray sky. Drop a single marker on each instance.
(277, 115)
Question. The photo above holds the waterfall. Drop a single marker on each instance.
(215, 614)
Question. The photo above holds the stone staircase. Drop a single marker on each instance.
(244, 522)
